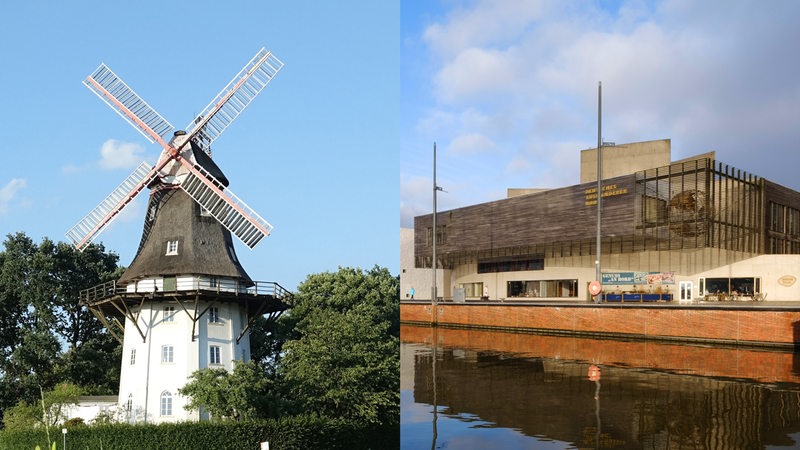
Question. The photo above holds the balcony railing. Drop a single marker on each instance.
(227, 286)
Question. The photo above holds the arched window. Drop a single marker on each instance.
(166, 403)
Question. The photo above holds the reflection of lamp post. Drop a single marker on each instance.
(594, 375)
(435, 338)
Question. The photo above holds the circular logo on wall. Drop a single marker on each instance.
(595, 287)
(688, 211)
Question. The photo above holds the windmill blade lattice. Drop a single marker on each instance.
(233, 99)
(198, 183)
(90, 226)
(121, 98)
(226, 207)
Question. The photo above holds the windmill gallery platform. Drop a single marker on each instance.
(750, 324)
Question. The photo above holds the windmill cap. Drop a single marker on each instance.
(179, 133)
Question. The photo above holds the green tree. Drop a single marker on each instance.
(46, 336)
(49, 411)
(244, 394)
(343, 360)
(15, 269)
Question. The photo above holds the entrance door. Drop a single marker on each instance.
(686, 291)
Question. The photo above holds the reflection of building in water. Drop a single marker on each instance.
(690, 228)
(639, 409)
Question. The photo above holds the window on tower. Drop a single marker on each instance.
(213, 355)
(133, 356)
(166, 403)
(167, 354)
(172, 248)
(213, 315)
(169, 314)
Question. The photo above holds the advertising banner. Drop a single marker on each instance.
(638, 278)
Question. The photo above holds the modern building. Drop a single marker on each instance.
(690, 229)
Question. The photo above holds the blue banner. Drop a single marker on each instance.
(638, 278)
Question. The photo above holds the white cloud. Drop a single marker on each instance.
(9, 192)
(476, 72)
(120, 155)
(471, 143)
(489, 23)
(417, 193)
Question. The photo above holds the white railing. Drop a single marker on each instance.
(224, 286)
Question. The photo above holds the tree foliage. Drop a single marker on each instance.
(343, 360)
(46, 336)
(244, 394)
(49, 410)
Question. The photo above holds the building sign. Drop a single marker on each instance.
(638, 278)
(610, 190)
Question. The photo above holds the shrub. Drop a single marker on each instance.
(297, 432)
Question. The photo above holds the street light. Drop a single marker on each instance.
(598, 273)
(433, 232)
(64, 434)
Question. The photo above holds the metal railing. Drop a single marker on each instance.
(111, 288)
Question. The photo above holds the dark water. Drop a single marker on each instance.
(494, 390)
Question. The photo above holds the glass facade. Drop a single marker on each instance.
(696, 204)
(543, 288)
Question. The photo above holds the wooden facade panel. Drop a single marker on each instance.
(782, 195)
(540, 218)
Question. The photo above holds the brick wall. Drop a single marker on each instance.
(744, 326)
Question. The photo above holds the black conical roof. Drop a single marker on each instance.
(204, 160)
(205, 247)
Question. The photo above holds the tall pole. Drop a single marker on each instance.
(433, 233)
(598, 275)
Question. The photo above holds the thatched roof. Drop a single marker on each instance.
(204, 246)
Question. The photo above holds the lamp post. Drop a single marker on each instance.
(64, 434)
(598, 275)
(433, 233)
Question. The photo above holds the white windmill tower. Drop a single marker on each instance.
(185, 302)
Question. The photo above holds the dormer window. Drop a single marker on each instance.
(172, 248)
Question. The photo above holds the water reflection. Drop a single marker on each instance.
(481, 389)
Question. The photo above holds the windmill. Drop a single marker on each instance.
(185, 302)
(178, 163)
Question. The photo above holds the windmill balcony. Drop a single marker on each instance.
(202, 285)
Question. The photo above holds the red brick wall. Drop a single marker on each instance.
(747, 326)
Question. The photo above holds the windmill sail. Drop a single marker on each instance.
(206, 189)
(226, 207)
(90, 226)
(233, 98)
(112, 90)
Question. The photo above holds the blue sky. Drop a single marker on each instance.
(316, 154)
(508, 89)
